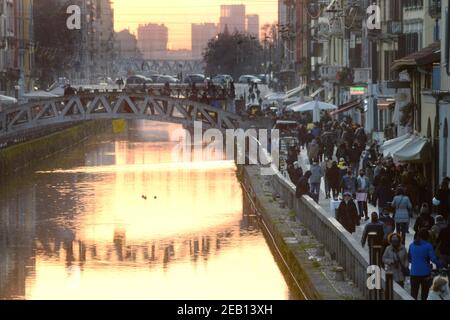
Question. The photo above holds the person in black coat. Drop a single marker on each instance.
(302, 187)
(443, 195)
(425, 220)
(384, 194)
(295, 173)
(334, 179)
(347, 213)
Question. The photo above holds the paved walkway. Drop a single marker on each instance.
(325, 204)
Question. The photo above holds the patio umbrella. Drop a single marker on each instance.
(316, 106)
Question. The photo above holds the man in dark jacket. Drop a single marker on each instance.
(347, 213)
(443, 245)
(303, 185)
(384, 194)
(334, 179)
(295, 173)
(376, 226)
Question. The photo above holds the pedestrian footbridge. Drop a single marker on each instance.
(116, 105)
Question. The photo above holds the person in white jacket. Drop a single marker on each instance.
(439, 289)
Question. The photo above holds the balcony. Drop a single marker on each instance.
(434, 9)
(328, 72)
(394, 27)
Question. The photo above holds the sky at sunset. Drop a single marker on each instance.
(178, 15)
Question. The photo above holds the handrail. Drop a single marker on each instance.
(327, 230)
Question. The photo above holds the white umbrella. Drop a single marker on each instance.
(7, 100)
(316, 106)
(311, 106)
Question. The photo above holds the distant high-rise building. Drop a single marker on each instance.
(233, 17)
(152, 40)
(201, 34)
(126, 45)
(253, 25)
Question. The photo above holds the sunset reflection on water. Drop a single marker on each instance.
(127, 223)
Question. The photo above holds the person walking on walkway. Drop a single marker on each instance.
(425, 220)
(347, 213)
(362, 192)
(420, 254)
(313, 151)
(443, 195)
(443, 246)
(402, 215)
(334, 179)
(354, 155)
(383, 194)
(349, 183)
(376, 226)
(439, 290)
(395, 258)
(302, 187)
(326, 165)
(315, 180)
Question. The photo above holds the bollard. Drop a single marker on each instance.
(389, 287)
(371, 238)
(339, 274)
(377, 255)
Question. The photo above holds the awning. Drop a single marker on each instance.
(389, 147)
(407, 148)
(427, 55)
(346, 107)
(417, 150)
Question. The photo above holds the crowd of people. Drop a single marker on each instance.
(356, 174)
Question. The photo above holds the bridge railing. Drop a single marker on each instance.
(342, 247)
(197, 93)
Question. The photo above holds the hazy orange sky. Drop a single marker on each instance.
(178, 15)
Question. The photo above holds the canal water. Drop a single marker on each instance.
(117, 218)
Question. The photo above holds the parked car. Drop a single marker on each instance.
(195, 78)
(264, 78)
(222, 79)
(155, 77)
(167, 79)
(249, 78)
(137, 81)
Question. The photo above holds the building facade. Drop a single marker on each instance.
(201, 35)
(252, 25)
(16, 46)
(233, 18)
(152, 40)
(126, 46)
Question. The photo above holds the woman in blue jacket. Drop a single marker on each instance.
(421, 254)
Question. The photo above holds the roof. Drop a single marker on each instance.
(425, 56)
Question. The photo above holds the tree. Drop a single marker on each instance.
(233, 54)
(56, 45)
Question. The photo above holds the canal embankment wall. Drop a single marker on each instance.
(339, 244)
(31, 152)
